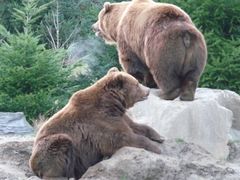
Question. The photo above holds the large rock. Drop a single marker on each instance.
(206, 121)
(178, 161)
(14, 123)
(14, 156)
(234, 155)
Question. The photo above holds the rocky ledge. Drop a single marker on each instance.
(203, 142)
(179, 160)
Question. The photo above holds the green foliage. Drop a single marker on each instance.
(104, 61)
(31, 104)
(61, 24)
(29, 13)
(107, 57)
(6, 19)
(80, 15)
(75, 17)
(32, 79)
(29, 75)
(3, 33)
(224, 70)
(219, 21)
(218, 16)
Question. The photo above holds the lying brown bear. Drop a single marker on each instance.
(157, 43)
(93, 125)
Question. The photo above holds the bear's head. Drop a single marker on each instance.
(112, 94)
(108, 19)
(123, 89)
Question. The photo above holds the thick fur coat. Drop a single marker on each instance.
(93, 125)
(157, 43)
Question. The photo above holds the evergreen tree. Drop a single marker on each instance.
(31, 76)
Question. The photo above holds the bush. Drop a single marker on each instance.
(223, 71)
(29, 75)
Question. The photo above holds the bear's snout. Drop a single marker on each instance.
(95, 27)
(145, 91)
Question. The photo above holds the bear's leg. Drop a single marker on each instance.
(140, 141)
(149, 81)
(168, 83)
(169, 94)
(189, 85)
(144, 130)
(133, 65)
(165, 76)
(109, 142)
(54, 157)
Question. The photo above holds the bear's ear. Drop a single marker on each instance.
(107, 6)
(116, 82)
(113, 69)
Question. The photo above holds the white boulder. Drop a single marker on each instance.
(206, 121)
(14, 123)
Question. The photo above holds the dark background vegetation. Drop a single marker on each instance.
(48, 51)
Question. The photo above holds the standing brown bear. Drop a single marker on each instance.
(157, 43)
(93, 125)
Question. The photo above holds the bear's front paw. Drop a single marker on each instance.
(160, 139)
(154, 136)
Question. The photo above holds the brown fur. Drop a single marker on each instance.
(91, 126)
(157, 43)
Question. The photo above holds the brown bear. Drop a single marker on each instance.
(157, 43)
(93, 125)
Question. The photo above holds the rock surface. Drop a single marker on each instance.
(206, 121)
(179, 160)
(14, 123)
(234, 155)
(14, 155)
(212, 121)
